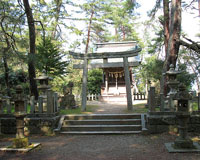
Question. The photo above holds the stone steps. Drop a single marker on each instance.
(102, 128)
(103, 121)
(101, 124)
(100, 133)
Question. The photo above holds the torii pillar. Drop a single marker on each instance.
(84, 84)
(128, 83)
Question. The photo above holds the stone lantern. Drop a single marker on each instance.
(44, 84)
(182, 143)
(173, 84)
(183, 116)
(20, 141)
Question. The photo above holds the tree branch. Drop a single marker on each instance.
(193, 45)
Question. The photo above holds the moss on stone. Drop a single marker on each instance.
(20, 143)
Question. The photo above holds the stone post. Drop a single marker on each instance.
(50, 108)
(106, 83)
(128, 84)
(1, 106)
(198, 101)
(152, 99)
(56, 102)
(40, 104)
(8, 105)
(162, 101)
(32, 104)
(84, 85)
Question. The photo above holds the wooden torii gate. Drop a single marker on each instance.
(105, 56)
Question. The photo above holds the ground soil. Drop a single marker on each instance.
(100, 147)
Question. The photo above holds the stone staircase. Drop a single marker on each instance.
(102, 124)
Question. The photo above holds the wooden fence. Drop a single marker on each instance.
(139, 96)
(93, 97)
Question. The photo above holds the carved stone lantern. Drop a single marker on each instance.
(44, 83)
(172, 82)
(183, 116)
(20, 141)
(182, 143)
(19, 112)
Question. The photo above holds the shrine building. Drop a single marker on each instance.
(113, 88)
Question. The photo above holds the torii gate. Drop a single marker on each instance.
(105, 56)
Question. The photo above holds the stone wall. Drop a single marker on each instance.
(38, 124)
(166, 121)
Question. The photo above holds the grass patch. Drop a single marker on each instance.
(138, 108)
(195, 106)
(89, 110)
(13, 109)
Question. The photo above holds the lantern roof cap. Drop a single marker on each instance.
(172, 71)
(43, 77)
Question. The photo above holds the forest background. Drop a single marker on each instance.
(36, 36)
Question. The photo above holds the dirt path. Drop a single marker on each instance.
(106, 108)
(110, 147)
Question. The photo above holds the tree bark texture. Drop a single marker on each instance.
(6, 72)
(172, 35)
(89, 30)
(31, 54)
(163, 85)
(175, 31)
(57, 14)
(5, 62)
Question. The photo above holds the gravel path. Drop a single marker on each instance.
(101, 147)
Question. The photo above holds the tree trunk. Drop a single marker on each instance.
(6, 71)
(174, 37)
(199, 7)
(58, 7)
(31, 54)
(89, 30)
(175, 30)
(163, 85)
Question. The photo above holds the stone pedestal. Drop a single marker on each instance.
(152, 100)
(183, 141)
(68, 102)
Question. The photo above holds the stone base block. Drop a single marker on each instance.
(171, 149)
(27, 149)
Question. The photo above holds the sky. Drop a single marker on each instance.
(190, 22)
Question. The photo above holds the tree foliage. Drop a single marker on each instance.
(94, 81)
(51, 59)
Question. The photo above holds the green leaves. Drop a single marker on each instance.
(51, 59)
(94, 81)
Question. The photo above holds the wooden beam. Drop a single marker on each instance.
(103, 55)
(106, 65)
